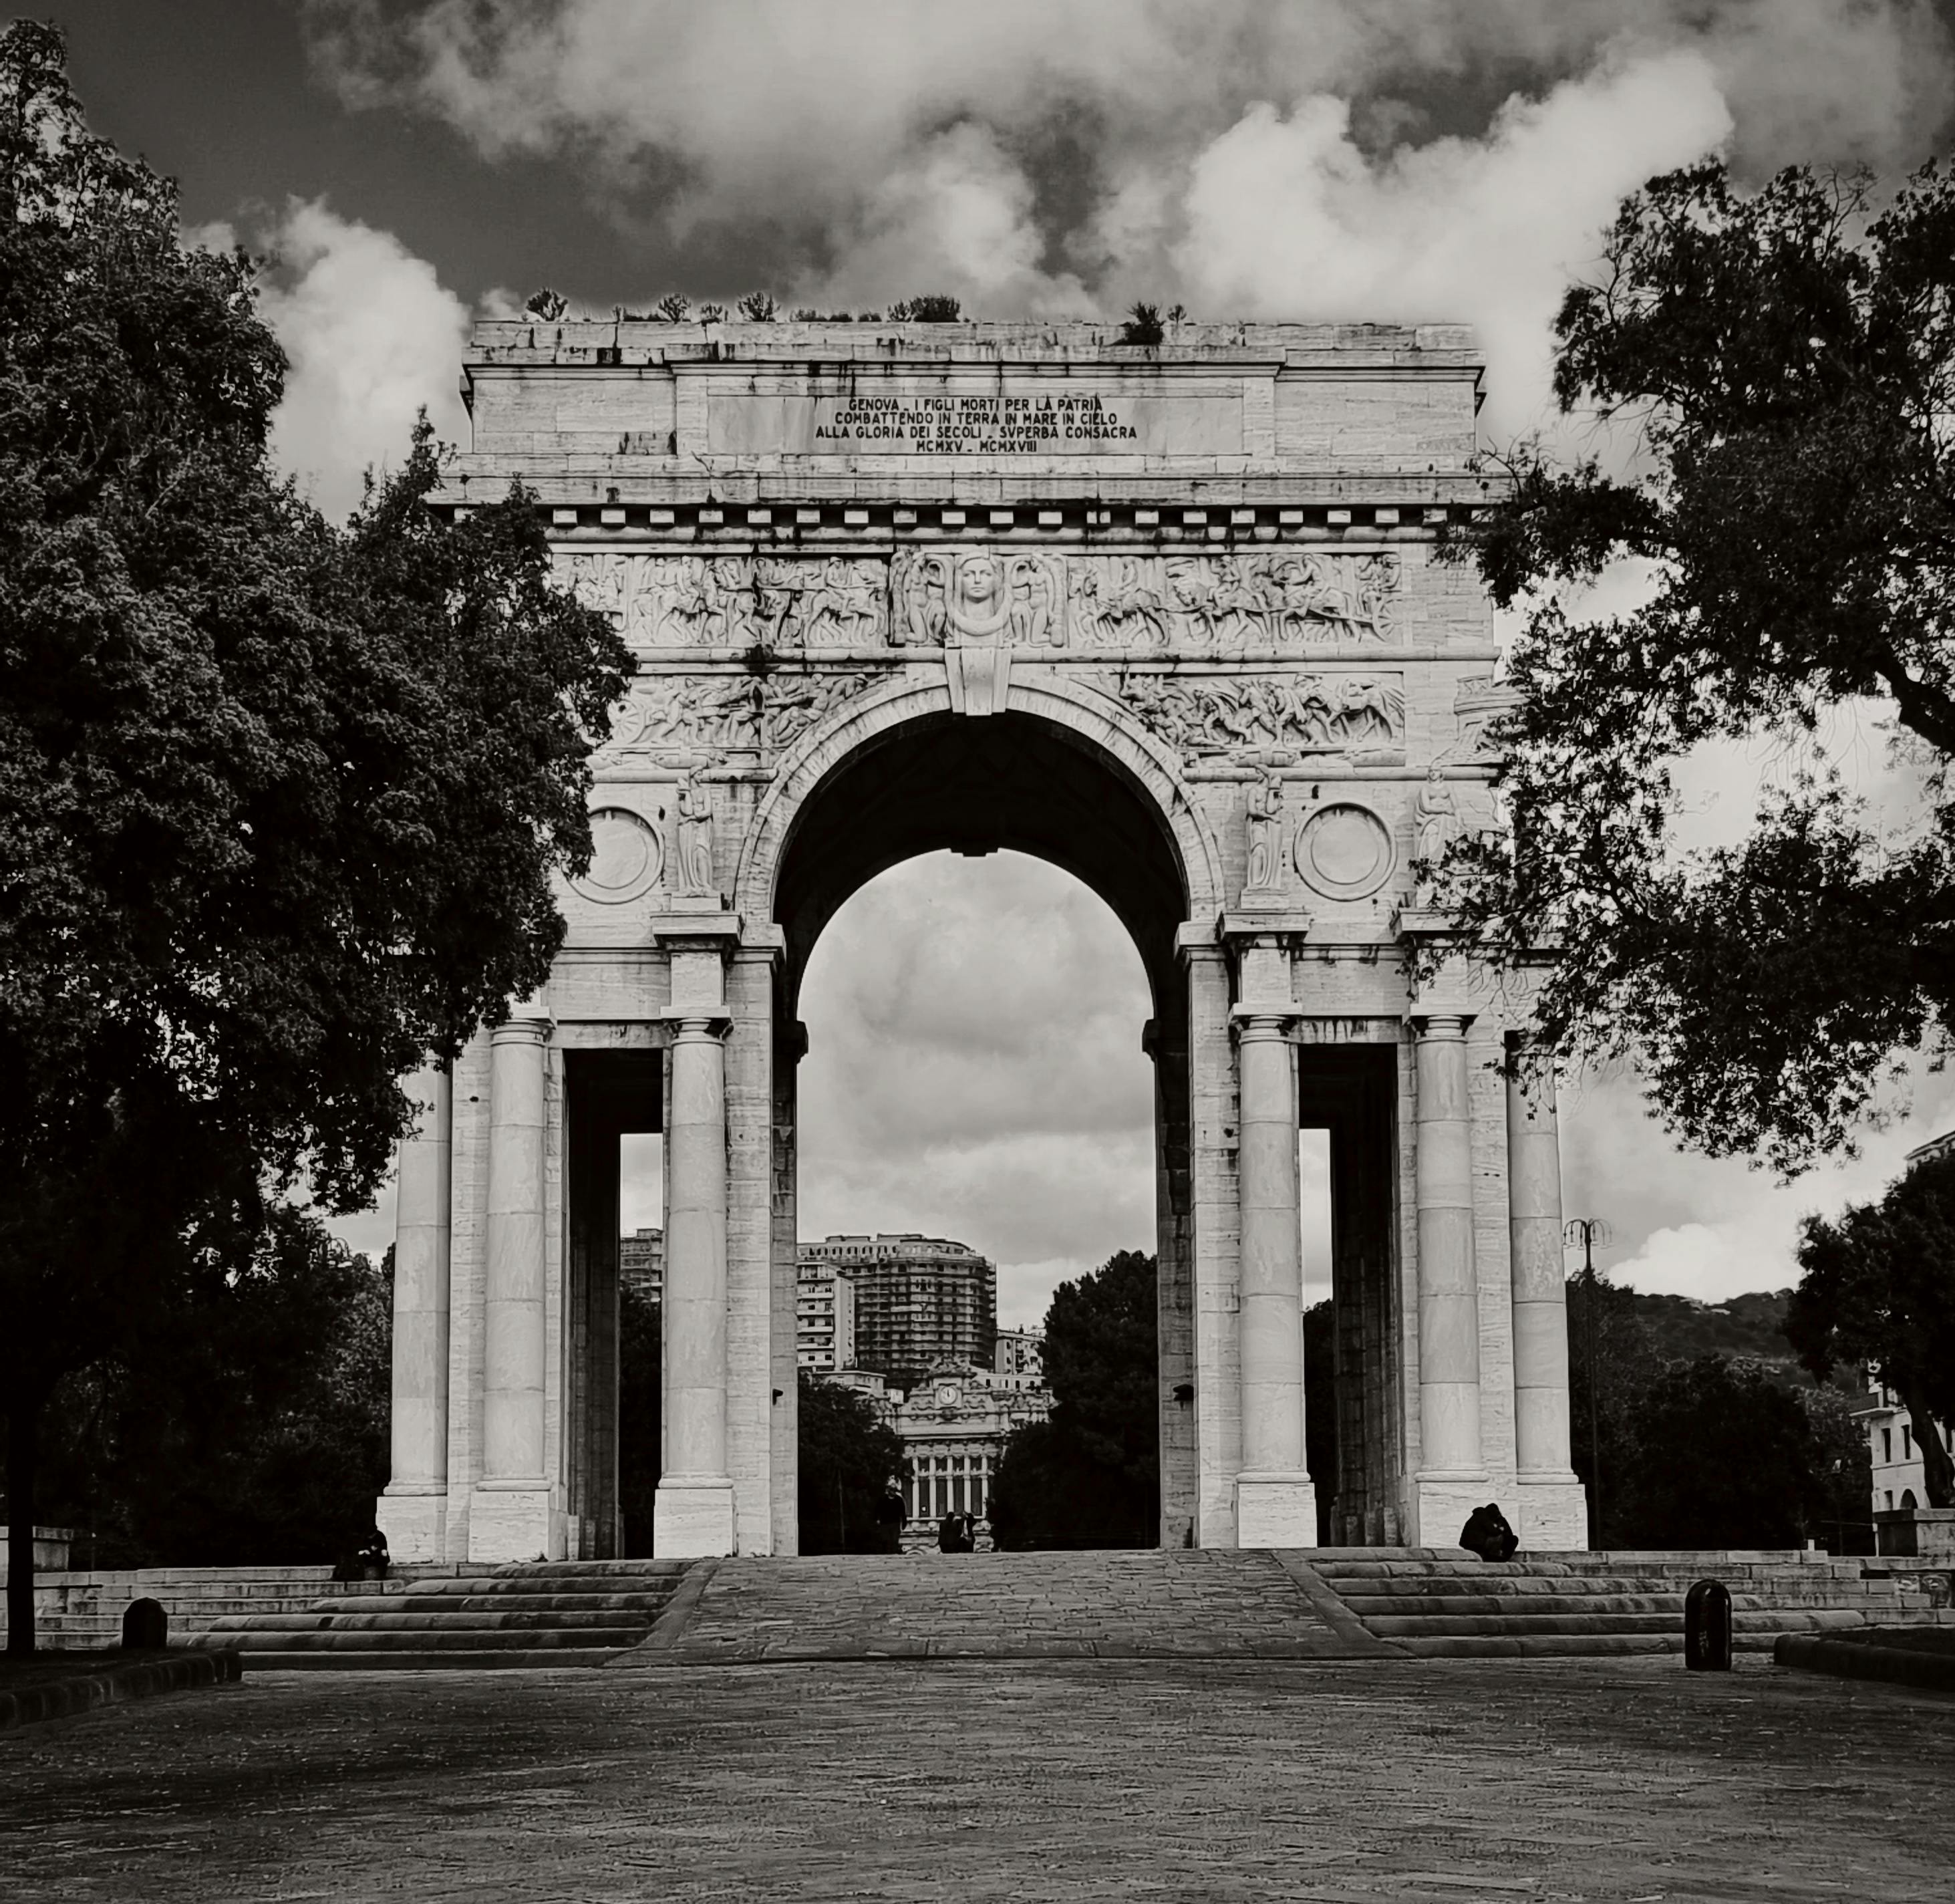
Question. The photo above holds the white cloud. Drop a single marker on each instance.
(373, 337)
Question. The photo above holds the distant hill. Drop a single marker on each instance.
(1680, 1330)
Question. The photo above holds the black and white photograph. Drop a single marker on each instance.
(985, 952)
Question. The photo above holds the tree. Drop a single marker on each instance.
(280, 803)
(1725, 1457)
(252, 1426)
(1090, 1476)
(850, 1459)
(1787, 363)
(1879, 1288)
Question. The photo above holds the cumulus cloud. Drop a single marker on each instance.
(975, 1070)
(373, 336)
(1040, 155)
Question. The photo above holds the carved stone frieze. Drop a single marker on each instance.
(686, 719)
(1210, 604)
(1480, 701)
(734, 601)
(1216, 602)
(1272, 715)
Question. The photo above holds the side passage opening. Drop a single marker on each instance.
(614, 1264)
(1348, 1098)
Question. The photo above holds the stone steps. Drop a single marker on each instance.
(1437, 1606)
(577, 1613)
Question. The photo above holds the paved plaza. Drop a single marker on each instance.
(1361, 1779)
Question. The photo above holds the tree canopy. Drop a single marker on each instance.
(1785, 364)
(1089, 1477)
(281, 802)
(1879, 1289)
(850, 1460)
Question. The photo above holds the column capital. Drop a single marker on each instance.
(1450, 1022)
(697, 932)
(528, 1030)
(695, 1024)
(1263, 1023)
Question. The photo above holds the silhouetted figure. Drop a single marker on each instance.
(1487, 1534)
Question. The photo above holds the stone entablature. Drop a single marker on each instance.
(569, 405)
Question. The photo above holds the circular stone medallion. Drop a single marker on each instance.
(1344, 851)
(625, 857)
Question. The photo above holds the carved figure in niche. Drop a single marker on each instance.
(844, 612)
(1435, 819)
(692, 826)
(918, 584)
(1265, 823)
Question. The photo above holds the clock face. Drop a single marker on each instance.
(946, 1393)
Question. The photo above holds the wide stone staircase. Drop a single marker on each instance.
(553, 1613)
(1439, 1603)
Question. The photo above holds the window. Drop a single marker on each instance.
(1907, 1443)
(1887, 1446)
(1890, 1492)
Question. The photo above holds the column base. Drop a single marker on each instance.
(1553, 1515)
(513, 1520)
(692, 1519)
(414, 1519)
(1275, 1511)
(1438, 1507)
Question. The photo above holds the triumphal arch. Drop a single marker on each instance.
(1168, 616)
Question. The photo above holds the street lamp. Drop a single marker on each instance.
(1589, 1230)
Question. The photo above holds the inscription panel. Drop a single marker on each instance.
(1010, 418)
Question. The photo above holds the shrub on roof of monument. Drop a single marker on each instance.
(1781, 362)
(283, 799)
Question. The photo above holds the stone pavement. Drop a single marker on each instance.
(1348, 1783)
(1201, 1602)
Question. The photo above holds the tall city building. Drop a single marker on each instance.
(1021, 1351)
(919, 1301)
(642, 1263)
(824, 1318)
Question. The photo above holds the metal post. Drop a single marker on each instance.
(1587, 1230)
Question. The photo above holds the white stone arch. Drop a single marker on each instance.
(1064, 702)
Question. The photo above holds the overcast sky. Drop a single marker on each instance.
(975, 1067)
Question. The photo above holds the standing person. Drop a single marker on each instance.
(947, 1532)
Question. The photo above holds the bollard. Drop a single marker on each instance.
(145, 1627)
(1707, 1627)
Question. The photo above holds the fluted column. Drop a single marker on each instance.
(413, 1512)
(1449, 1296)
(510, 1518)
(1552, 1510)
(694, 1513)
(1275, 1505)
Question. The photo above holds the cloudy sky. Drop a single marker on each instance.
(410, 165)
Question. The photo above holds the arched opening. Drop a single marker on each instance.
(921, 797)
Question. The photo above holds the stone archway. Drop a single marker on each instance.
(1170, 618)
(1058, 775)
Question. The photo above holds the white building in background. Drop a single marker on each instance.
(642, 1263)
(824, 1318)
(1021, 1351)
(1900, 1475)
(953, 1425)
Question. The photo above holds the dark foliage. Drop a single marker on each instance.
(1143, 325)
(849, 1462)
(280, 804)
(1789, 362)
(251, 1428)
(932, 308)
(640, 1385)
(1090, 1477)
(1879, 1289)
(1725, 1457)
